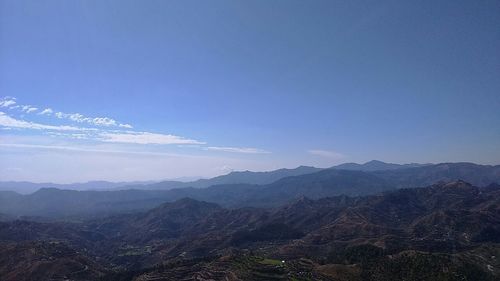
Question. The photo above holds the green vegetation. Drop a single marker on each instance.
(272, 262)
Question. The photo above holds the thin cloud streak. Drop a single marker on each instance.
(80, 149)
(248, 150)
(97, 121)
(127, 126)
(125, 136)
(145, 138)
(10, 122)
(105, 136)
(10, 102)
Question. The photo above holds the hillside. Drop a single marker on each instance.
(453, 225)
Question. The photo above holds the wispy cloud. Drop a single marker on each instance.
(326, 153)
(100, 129)
(10, 103)
(71, 135)
(127, 126)
(7, 102)
(249, 150)
(97, 121)
(98, 135)
(46, 111)
(10, 122)
(84, 149)
(28, 108)
(145, 138)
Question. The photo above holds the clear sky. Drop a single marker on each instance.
(148, 90)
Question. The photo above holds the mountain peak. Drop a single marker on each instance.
(376, 165)
(375, 162)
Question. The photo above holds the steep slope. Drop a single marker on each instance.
(470, 215)
(39, 260)
(169, 220)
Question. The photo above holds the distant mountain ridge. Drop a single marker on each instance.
(375, 165)
(261, 178)
(25, 187)
(51, 202)
(236, 177)
(240, 177)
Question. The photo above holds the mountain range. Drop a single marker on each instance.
(24, 187)
(374, 221)
(247, 177)
(241, 189)
(446, 231)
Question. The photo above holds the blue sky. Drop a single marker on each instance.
(163, 89)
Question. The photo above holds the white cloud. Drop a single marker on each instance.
(249, 150)
(7, 101)
(102, 135)
(144, 138)
(97, 121)
(326, 153)
(103, 121)
(77, 117)
(84, 149)
(10, 122)
(28, 108)
(98, 135)
(128, 126)
(31, 109)
(46, 111)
